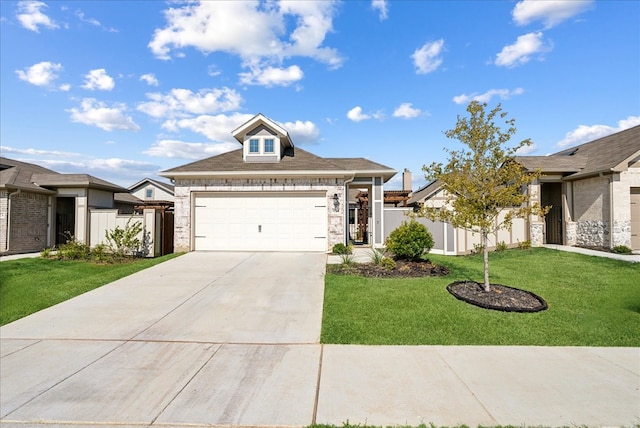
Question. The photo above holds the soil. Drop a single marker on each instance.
(500, 297)
(403, 269)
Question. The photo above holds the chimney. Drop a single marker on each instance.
(406, 180)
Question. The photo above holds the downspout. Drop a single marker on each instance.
(346, 207)
(610, 180)
(6, 245)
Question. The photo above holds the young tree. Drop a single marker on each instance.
(482, 180)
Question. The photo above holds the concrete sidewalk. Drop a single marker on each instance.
(231, 339)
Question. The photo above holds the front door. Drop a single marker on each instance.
(552, 197)
(65, 219)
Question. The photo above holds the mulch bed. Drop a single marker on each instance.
(403, 269)
(500, 297)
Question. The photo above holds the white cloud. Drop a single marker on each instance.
(356, 115)
(65, 87)
(38, 152)
(428, 58)
(182, 102)
(31, 16)
(521, 51)
(406, 111)
(213, 26)
(382, 6)
(40, 74)
(182, 150)
(96, 113)
(526, 150)
(583, 133)
(98, 79)
(150, 79)
(302, 132)
(215, 128)
(504, 94)
(550, 12)
(91, 21)
(272, 76)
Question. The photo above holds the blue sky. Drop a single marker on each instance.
(124, 89)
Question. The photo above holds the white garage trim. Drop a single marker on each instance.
(259, 221)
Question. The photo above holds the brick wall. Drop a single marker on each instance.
(29, 223)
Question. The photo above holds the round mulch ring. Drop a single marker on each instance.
(499, 298)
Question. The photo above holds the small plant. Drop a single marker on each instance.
(73, 249)
(45, 253)
(410, 240)
(621, 249)
(377, 256)
(502, 246)
(524, 245)
(347, 259)
(477, 249)
(342, 249)
(388, 263)
(125, 242)
(100, 254)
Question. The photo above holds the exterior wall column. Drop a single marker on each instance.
(377, 205)
(536, 223)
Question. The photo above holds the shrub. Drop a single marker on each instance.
(410, 240)
(388, 263)
(46, 253)
(376, 255)
(502, 246)
(622, 249)
(100, 254)
(342, 249)
(125, 242)
(73, 250)
(347, 259)
(524, 245)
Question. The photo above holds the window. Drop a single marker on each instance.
(148, 193)
(254, 146)
(268, 145)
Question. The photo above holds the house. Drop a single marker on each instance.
(270, 195)
(153, 192)
(40, 208)
(593, 191)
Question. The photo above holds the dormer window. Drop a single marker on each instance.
(254, 145)
(268, 145)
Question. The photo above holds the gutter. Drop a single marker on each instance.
(9, 195)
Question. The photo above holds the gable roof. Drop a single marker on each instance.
(424, 192)
(165, 186)
(258, 120)
(607, 154)
(295, 161)
(27, 176)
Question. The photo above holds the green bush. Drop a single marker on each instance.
(100, 254)
(524, 245)
(621, 249)
(342, 249)
(388, 263)
(410, 240)
(376, 255)
(125, 242)
(73, 250)
(502, 246)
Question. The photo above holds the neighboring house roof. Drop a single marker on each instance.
(295, 161)
(424, 193)
(606, 154)
(27, 176)
(127, 198)
(170, 188)
(75, 180)
(17, 175)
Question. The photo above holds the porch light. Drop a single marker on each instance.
(336, 202)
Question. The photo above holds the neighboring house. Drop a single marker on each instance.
(40, 208)
(593, 191)
(153, 192)
(270, 195)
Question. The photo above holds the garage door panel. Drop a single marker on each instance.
(260, 222)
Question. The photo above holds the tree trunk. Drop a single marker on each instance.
(485, 252)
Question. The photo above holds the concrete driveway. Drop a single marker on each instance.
(231, 339)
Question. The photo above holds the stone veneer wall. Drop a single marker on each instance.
(591, 200)
(29, 223)
(184, 188)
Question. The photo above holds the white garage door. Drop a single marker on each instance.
(260, 221)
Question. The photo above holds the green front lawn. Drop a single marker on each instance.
(29, 285)
(593, 301)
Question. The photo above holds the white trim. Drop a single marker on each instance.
(263, 173)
